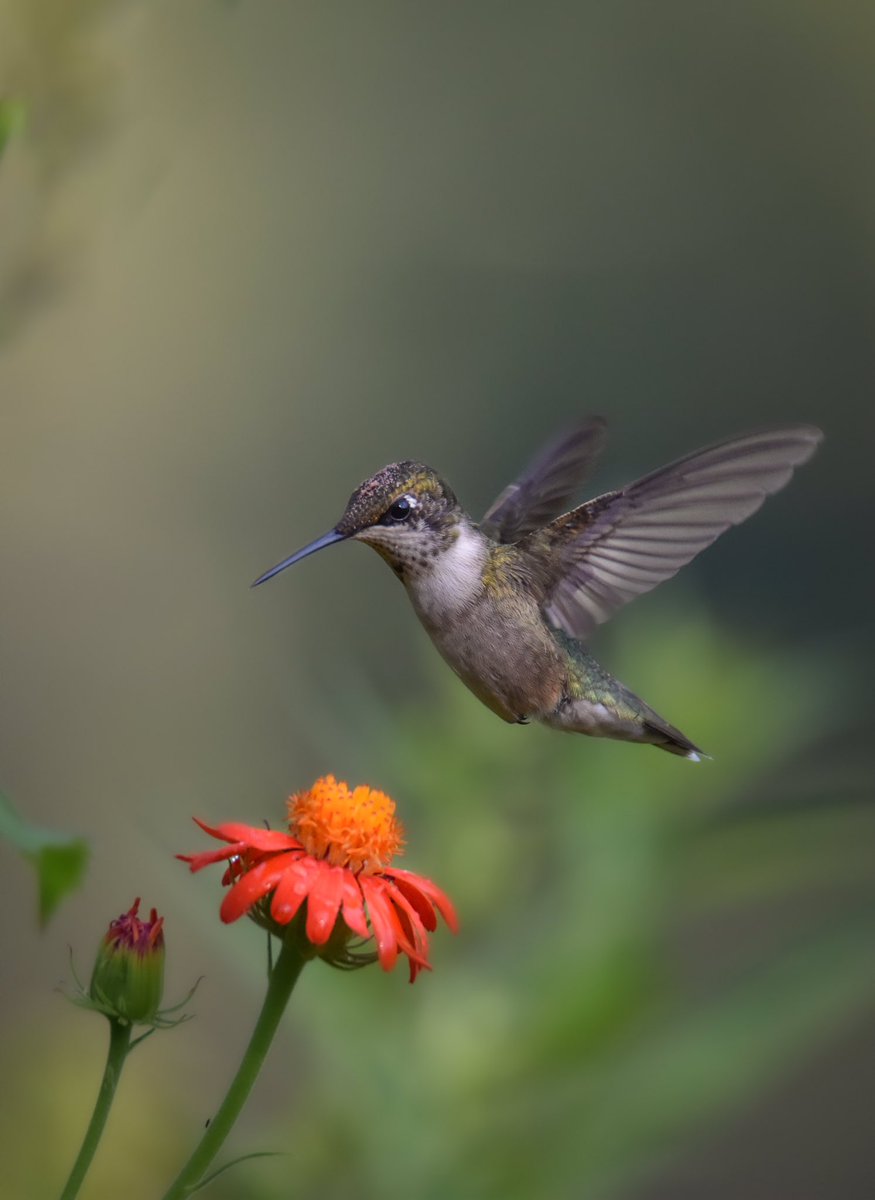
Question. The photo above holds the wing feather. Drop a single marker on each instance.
(548, 484)
(621, 545)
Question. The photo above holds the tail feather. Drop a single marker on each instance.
(598, 704)
(667, 737)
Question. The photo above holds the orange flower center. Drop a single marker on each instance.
(355, 829)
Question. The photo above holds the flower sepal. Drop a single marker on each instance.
(342, 949)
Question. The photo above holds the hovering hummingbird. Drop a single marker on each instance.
(510, 601)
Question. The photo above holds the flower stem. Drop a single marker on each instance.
(283, 978)
(119, 1044)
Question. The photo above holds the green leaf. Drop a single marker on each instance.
(59, 858)
(236, 1162)
(12, 118)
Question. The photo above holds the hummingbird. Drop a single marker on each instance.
(511, 601)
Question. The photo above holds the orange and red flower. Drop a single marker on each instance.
(331, 875)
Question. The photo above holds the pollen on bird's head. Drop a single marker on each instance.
(373, 502)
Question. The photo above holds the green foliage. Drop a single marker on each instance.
(595, 1014)
(12, 120)
(58, 858)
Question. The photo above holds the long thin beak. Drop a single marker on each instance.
(327, 539)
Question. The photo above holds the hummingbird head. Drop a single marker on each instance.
(406, 512)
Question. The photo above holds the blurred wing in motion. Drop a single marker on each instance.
(621, 545)
(547, 486)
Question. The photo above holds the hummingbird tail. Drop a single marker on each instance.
(667, 737)
(598, 704)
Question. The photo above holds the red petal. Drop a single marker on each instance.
(414, 896)
(400, 927)
(197, 862)
(292, 890)
(438, 898)
(208, 828)
(323, 902)
(252, 836)
(353, 906)
(405, 945)
(380, 912)
(413, 928)
(255, 884)
(414, 933)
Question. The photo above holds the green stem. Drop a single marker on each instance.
(283, 978)
(119, 1043)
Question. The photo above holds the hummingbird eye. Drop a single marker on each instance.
(400, 510)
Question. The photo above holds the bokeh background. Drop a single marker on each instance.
(249, 253)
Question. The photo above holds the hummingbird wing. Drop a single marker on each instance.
(603, 554)
(547, 485)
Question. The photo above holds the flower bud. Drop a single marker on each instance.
(128, 977)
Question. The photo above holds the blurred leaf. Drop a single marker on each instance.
(771, 854)
(664, 1090)
(602, 1128)
(59, 858)
(12, 118)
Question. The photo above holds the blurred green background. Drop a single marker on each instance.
(249, 253)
